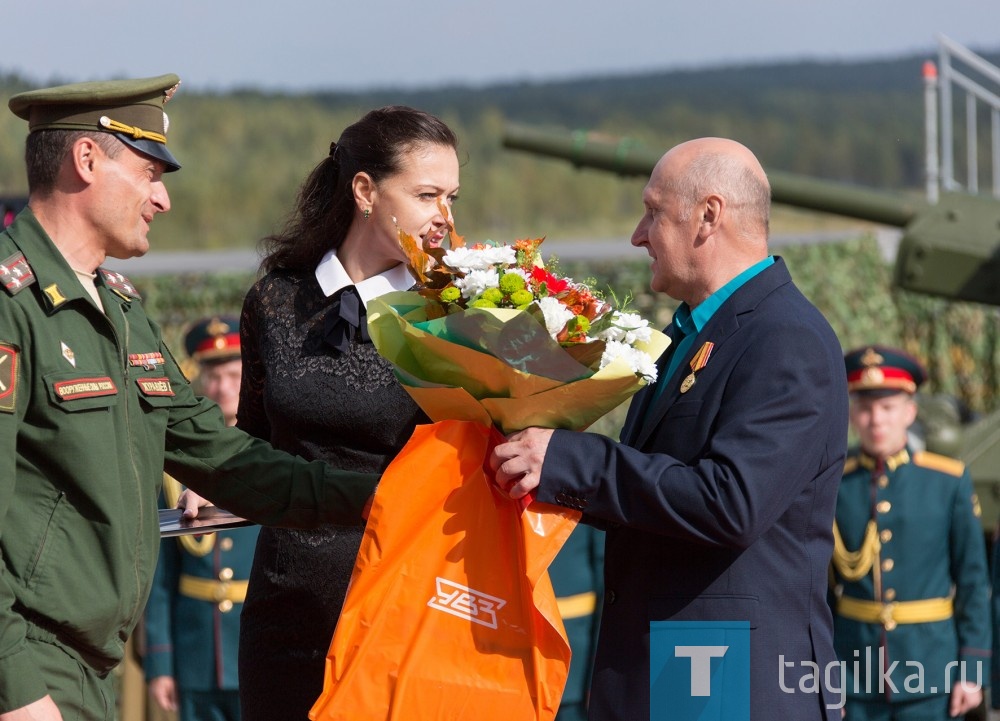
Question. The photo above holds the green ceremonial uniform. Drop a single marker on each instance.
(93, 408)
(922, 572)
(577, 575)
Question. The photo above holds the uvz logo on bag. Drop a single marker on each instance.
(465, 602)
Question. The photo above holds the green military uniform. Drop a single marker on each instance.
(93, 408)
(577, 575)
(192, 619)
(193, 616)
(912, 586)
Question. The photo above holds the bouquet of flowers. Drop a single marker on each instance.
(450, 612)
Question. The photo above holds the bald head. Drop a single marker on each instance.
(706, 217)
(702, 167)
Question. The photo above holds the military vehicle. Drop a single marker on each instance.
(949, 249)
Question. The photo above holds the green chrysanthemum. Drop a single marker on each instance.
(510, 283)
(521, 297)
(450, 294)
(482, 303)
(494, 296)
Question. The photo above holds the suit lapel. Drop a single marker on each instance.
(718, 330)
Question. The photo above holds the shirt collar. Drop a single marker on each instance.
(332, 277)
(691, 321)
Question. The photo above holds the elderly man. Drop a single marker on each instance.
(93, 407)
(719, 500)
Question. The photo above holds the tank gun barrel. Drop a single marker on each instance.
(626, 157)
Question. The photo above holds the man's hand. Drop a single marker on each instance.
(190, 502)
(517, 464)
(44, 709)
(964, 697)
(163, 691)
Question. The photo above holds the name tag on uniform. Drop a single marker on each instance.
(155, 386)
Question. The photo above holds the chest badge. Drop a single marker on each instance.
(68, 353)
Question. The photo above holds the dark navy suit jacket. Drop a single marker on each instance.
(719, 502)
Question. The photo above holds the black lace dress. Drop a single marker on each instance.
(308, 399)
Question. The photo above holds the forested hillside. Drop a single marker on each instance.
(245, 152)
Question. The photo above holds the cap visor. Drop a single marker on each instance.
(152, 149)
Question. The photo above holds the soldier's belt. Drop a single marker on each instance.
(889, 615)
(207, 589)
(582, 604)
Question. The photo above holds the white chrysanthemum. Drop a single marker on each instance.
(477, 281)
(467, 260)
(638, 361)
(628, 328)
(556, 315)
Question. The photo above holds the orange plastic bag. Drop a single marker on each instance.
(450, 613)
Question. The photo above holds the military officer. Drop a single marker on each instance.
(911, 601)
(193, 614)
(93, 407)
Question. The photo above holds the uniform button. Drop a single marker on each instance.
(226, 606)
(890, 594)
(883, 481)
(887, 564)
(226, 544)
(226, 574)
(883, 506)
(561, 497)
(610, 597)
(885, 536)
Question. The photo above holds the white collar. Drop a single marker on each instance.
(332, 277)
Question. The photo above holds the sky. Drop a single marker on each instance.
(306, 45)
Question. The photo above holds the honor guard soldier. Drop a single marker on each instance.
(911, 594)
(93, 407)
(577, 575)
(193, 614)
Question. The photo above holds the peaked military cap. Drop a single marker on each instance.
(214, 339)
(130, 109)
(881, 370)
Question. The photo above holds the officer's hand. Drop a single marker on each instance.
(163, 691)
(44, 709)
(964, 697)
(191, 502)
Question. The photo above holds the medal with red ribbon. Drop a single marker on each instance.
(699, 361)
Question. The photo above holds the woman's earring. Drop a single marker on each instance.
(367, 213)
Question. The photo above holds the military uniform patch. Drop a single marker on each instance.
(8, 377)
(120, 284)
(15, 273)
(85, 388)
(155, 386)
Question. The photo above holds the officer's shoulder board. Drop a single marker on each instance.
(16, 274)
(951, 466)
(851, 464)
(120, 284)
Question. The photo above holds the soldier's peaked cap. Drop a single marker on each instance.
(876, 369)
(132, 110)
(214, 339)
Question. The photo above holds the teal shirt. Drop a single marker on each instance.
(691, 321)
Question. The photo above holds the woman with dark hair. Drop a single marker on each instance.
(314, 386)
